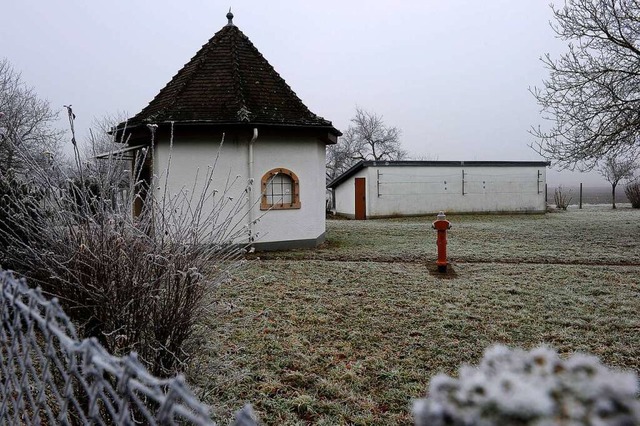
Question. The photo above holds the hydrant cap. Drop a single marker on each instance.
(441, 216)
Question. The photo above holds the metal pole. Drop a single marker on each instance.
(462, 182)
(580, 194)
(539, 175)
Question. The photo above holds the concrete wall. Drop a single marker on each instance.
(304, 155)
(399, 191)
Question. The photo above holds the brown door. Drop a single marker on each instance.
(361, 199)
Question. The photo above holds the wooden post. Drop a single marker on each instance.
(580, 194)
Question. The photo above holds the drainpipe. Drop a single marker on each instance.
(251, 142)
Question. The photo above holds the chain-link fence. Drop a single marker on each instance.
(49, 376)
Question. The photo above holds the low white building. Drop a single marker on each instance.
(373, 189)
(274, 147)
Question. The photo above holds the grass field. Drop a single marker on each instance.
(352, 332)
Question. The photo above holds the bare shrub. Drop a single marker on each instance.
(17, 199)
(136, 283)
(562, 199)
(632, 191)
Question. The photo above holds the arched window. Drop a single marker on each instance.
(280, 190)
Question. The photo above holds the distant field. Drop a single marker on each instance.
(590, 194)
(352, 332)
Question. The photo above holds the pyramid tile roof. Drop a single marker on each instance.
(228, 81)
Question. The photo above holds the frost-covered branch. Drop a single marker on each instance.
(591, 98)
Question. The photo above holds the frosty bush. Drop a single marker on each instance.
(562, 199)
(531, 388)
(17, 198)
(632, 191)
(136, 283)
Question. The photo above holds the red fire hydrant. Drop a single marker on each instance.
(442, 225)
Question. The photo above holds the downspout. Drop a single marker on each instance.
(251, 142)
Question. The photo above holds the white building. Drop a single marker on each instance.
(373, 189)
(272, 142)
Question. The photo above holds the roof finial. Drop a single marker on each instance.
(230, 18)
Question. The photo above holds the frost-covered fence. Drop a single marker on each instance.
(49, 376)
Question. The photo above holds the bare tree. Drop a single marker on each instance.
(26, 124)
(101, 138)
(340, 157)
(592, 95)
(100, 151)
(372, 139)
(367, 138)
(615, 169)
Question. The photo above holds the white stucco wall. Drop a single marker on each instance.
(408, 190)
(346, 195)
(305, 156)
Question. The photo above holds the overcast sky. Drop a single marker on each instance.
(452, 75)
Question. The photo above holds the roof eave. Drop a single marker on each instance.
(332, 136)
(346, 175)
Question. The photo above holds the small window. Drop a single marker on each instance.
(280, 190)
